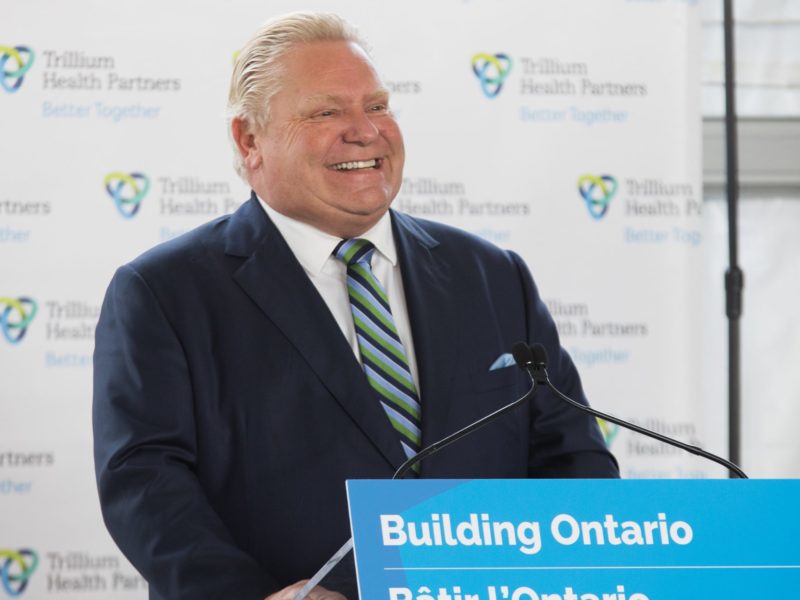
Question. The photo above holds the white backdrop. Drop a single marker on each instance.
(586, 161)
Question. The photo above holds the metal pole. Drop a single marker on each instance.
(734, 278)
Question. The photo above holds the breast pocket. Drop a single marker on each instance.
(483, 379)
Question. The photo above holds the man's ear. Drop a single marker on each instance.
(245, 141)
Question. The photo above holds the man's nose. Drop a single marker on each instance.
(361, 129)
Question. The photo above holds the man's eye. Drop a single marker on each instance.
(323, 112)
(379, 108)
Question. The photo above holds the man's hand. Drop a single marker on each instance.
(318, 593)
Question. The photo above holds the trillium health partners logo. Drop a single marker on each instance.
(14, 64)
(127, 190)
(16, 568)
(609, 431)
(15, 316)
(491, 70)
(597, 192)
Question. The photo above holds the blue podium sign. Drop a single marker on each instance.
(576, 539)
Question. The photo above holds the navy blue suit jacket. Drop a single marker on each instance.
(229, 408)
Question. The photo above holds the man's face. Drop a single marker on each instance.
(332, 154)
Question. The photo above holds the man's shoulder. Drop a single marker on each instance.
(449, 238)
(184, 249)
(442, 232)
(205, 244)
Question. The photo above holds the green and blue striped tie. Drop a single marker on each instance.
(382, 352)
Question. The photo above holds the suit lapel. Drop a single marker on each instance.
(273, 278)
(427, 282)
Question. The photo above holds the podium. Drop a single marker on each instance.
(576, 539)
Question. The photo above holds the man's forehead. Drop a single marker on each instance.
(331, 71)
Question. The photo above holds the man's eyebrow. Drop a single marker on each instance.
(321, 98)
(379, 94)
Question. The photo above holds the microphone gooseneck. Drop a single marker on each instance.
(538, 372)
(523, 357)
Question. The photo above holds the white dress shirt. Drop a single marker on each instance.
(314, 251)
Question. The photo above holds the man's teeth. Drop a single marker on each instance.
(359, 164)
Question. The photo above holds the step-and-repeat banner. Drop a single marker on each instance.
(567, 131)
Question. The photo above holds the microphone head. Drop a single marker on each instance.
(538, 355)
(522, 354)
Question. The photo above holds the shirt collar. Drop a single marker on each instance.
(313, 247)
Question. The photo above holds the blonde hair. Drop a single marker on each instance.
(258, 69)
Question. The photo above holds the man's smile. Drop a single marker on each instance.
(374, 163)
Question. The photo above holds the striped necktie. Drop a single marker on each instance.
(382, 352)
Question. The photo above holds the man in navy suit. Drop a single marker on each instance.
(230, 403)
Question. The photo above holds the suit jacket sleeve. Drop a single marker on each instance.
(565, 442)
(145, 456)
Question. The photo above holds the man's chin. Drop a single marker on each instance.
(353, 222)
(367, 205)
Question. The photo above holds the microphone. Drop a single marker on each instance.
(524, 358)
(537, 369)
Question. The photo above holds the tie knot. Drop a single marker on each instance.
(354, 251)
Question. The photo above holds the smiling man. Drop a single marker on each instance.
(245, 370)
